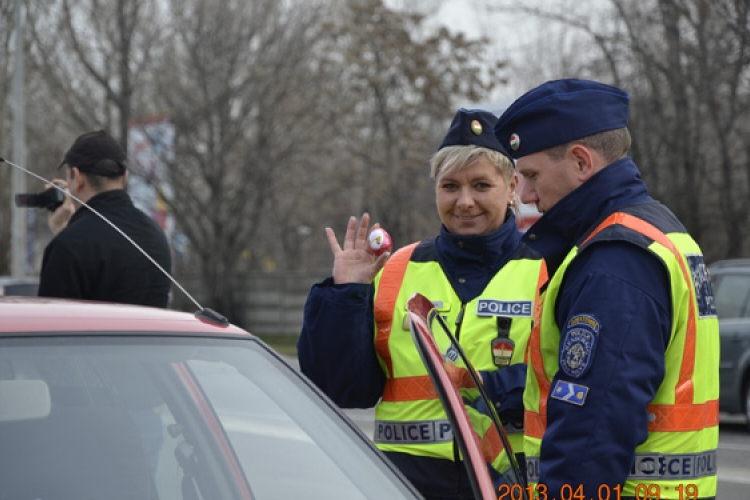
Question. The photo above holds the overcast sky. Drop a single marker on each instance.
(514, 36)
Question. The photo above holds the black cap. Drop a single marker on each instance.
(96, 153)
(473, 127)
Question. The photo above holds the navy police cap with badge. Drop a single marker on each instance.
(473, 127)
(558, 112)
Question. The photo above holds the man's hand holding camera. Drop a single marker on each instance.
(59, 204)
(58, 218)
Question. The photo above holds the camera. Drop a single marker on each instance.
(49, 198)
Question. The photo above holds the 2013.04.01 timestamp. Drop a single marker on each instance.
(605, 492)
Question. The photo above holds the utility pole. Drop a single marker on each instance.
(20, 216)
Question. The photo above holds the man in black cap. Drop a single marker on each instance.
(623, 384)
(88, 259)
(356, 344)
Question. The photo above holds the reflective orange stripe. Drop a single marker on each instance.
(534, 352)
(684, 388)
(666, 418)
(491, 444)
(534, 424)
(684, 417)
(385, 301)
(421, 387)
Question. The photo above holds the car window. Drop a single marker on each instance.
(732, 292)
(174, 418)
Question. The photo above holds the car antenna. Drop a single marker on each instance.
(203, 313)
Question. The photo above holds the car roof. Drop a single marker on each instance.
(40, 314)
(730, 263)
(13, 280)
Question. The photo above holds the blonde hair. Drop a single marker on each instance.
(451, 159)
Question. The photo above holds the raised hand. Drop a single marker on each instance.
(355, 263)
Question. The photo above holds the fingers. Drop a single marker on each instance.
(356, 236)
(350, 231)
(332, 241)
(364, 224)
(381, 260)
(58, 182)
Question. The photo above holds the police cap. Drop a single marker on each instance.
(558, 112)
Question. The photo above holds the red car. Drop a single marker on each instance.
(103, 401)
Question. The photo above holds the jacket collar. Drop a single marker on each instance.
(115, 198)
(565, 224)
(491, 250)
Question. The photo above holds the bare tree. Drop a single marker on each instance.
(230, 79)
(402, 83)
(686, 64)
(6, 68)
(92, 55)
(692, 89)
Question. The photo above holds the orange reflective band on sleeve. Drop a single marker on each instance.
(385, 301)
(534, 424)
(684, 388)
(421, 387)
(683, 417)
(663, 418)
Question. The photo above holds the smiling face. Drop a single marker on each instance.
(474, 199)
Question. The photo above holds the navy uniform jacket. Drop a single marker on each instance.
(627, 289)
(336, 347)
(90, 260)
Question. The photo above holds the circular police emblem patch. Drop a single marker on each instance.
(578, 346)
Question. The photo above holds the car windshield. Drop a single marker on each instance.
(173, 418)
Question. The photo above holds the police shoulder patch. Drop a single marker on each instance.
(570, 392)
(703, 292)
(578, 345)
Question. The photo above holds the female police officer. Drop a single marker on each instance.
(355, 342)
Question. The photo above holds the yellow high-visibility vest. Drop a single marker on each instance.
(410, 418)
(683, 432)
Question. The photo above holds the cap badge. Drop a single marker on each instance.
(515, 142)
(476, 127)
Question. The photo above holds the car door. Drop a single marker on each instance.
(492, 476)
(732, 293)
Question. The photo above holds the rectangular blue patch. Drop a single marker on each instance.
(703, 290)
(509, 308)
(570, 392)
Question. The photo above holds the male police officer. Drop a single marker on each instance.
(88, 259)
(622, 389)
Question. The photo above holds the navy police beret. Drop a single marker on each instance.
(473, 127)
(558, 112)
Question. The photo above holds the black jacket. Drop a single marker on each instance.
(91, 260)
